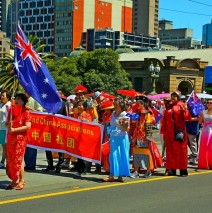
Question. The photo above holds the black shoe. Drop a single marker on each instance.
(57, 170)
(73, 169)
(48, 169)
(29, 169)
(97, 171)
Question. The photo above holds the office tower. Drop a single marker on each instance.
(72, 18)
(37, 18)
(145, 17)
(207, 34)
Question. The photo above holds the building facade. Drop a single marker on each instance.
(108, 38)
(207, 34)
(145, 17)
(182, 70)
(181, 38)
(4, 46)
(37, 18)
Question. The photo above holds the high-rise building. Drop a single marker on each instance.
(0, 15)
(14, 5)
(207, 34)
(4, 5)
(37, 18)
(145, 17)
(72, 18)
(180, 37)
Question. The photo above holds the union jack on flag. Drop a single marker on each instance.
(33, 74)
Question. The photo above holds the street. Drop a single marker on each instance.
(50, 192)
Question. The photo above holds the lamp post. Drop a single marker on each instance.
(154, 73)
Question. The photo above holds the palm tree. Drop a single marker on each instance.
(8, 78)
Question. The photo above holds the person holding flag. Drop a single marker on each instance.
(195, 106)
(36, 80)
(19, 121)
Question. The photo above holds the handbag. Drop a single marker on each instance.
(178, 134)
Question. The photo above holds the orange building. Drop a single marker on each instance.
(100, 15)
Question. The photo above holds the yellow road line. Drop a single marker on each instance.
(94, 188)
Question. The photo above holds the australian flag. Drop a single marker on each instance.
(195, 105)
(33, 74)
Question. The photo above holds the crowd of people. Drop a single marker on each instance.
(128, 134)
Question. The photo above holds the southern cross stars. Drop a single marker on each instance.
(17, 65)
(46, 80)
(44, 95)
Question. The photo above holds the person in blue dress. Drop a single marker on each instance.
(119, 143)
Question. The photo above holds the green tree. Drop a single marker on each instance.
(101, 70)
(65, 74)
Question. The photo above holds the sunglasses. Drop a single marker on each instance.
(209, 103)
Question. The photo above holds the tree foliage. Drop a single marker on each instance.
(101, 70)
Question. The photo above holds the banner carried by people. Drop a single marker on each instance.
(58, 133)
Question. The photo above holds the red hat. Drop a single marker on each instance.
(107, 105)
(80, 88)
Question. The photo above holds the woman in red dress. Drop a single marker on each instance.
(19, 121)
(176, 152)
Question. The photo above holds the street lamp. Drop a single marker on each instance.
(154, 73)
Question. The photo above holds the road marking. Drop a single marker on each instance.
(94, 188)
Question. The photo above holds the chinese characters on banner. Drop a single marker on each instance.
(63, 134)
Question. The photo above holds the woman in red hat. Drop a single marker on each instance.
(175, 115)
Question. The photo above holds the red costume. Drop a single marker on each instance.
(176, 152)
(16, 143)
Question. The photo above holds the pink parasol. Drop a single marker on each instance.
(159, 96)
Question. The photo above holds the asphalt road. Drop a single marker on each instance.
(156, 194)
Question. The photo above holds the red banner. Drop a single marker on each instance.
(80, 139)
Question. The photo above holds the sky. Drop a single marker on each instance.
(189, 17)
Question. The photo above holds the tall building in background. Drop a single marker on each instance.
(72, 18)
(63, 27)
(180, 37)
(37, 18)
(4, 14)
(207, 34)
(145, 17)
(14, 5)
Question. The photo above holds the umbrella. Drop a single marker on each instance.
(104, 94)
(109, 96)
(159, 96)
(131, 93)
(204, 95)
(71, 97)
